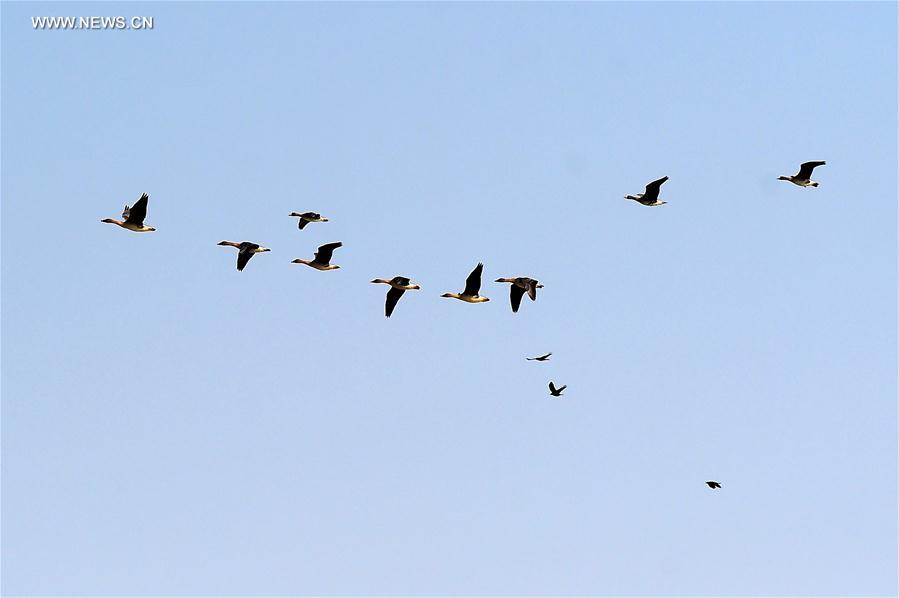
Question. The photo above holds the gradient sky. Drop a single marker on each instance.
(173, 427)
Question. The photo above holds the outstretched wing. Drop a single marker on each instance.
(324, 253)
(473, 282)
(564, 386)
(136, 214)
(303, 223)
(532, 289)
(393, 296)
(652, 189)
(400, 280)
(244, 255)
(515, 295)
(552, 388)
(806, 168)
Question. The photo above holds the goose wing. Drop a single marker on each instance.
(136, 213)
(303, 222)
(244, 253)
(400, 280)
(806, 168)
(393, 296)
(324, 253)
(552, 388)
(515, 296)
(473, 282)
(652, 189)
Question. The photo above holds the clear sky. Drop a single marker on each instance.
(173, 427)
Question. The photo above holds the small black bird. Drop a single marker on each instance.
(712, 484)
(556, 392)
(541, 358)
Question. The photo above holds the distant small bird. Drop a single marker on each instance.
(556, 392)
(472, 286)
(803, 178)
(134, 216)
(307, 217)
(398, 286)
(519, 286)
(322, 259)
(246, 250)
(541, 358)
(651, 196)
(713, 484)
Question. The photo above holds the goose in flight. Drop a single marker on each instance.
(651, 196)
(307, 217)
(540, 358)
(803, 178)
(322, 259)
(245, 251)
(472, 286)
(519, 286)
(556, 392)
(713, 484)
(398, 286)
(134, 216)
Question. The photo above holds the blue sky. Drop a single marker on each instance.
(173, 427)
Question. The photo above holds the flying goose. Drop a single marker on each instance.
(322, 259)
(472, 286)
(519, 286)
(134, 216)
(556, 392)
(712, 484)
(540, 358)
(246, 250)
(307, 217)
(651, 196)
(398, 286)
(803, 178)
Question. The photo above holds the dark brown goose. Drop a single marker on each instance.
(398, 286)
(651, 196)
(134, 216)
(322, 259)
(803, 178)
(307, 217)
(520, 286)
(245, 251)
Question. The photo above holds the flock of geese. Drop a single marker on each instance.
(134, 216)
